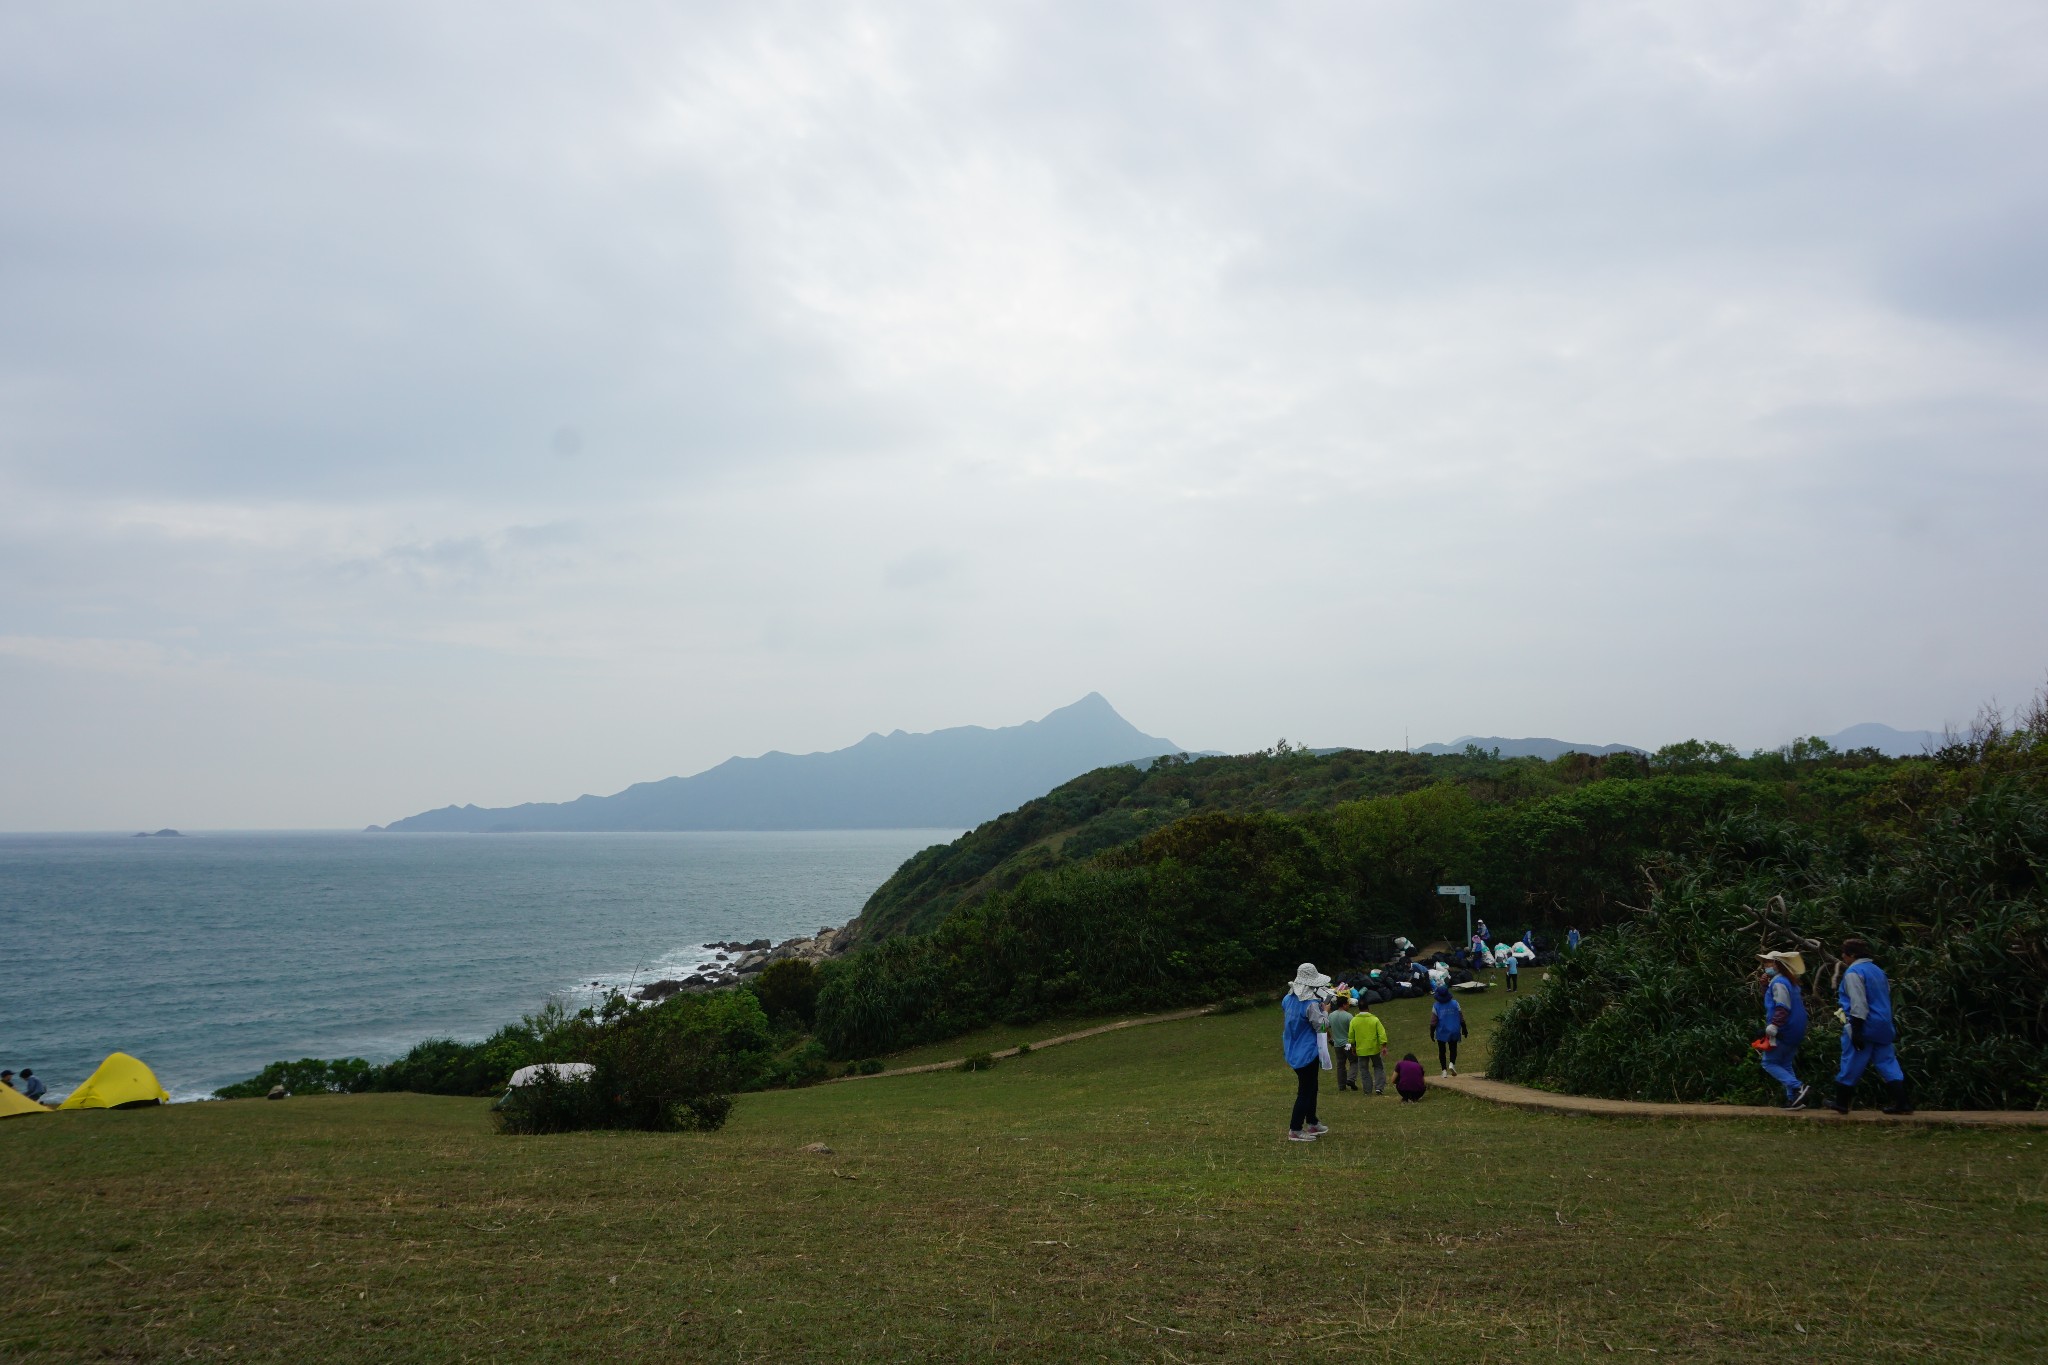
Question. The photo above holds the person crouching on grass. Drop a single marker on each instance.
(1408, 1081)
(1302, 1021)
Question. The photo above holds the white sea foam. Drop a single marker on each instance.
(674, 965)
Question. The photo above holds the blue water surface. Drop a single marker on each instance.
(213, 954)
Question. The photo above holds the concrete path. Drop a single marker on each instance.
(954, 1063)
(1522, 1097)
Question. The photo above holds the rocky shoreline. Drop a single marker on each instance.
(738, 961)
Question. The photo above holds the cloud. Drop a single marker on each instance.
(716, 378)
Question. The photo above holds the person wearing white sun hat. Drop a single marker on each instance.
(1784, 1022)
(1302, 1016)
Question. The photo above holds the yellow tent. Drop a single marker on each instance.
(119, 1080)
(13, 1102)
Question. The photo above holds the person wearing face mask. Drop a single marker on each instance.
(1302, 1021)
(1784, 1022)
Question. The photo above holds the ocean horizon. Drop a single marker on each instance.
(212, 954)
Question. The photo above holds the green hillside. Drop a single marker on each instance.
(1112, 806)
(1203, 879)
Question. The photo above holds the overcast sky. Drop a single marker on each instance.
(412, 403)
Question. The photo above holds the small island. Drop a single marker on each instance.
(160, 834)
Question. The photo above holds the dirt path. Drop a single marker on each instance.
(1522, 1097)
(1035, 1047)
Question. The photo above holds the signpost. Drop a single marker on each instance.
(1463, 893)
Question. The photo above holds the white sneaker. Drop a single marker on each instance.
(1454, 1068)
(1316, 1129)
(1293, 1136)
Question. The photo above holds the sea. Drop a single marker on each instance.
(212, 954)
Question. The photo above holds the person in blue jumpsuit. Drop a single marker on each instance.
(1865, 996)
(1301, 1018)
(1447, 1026)
(1784, 1023)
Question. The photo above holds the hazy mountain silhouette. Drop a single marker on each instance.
(1869, 735)
(946, 779)
(1895, 743)
(1525, 748)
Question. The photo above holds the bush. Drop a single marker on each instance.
(788, 991)
(664, 1068)
(1201, 908)
(1952, 894)
(553, 1105)
(979, 1061)
(803, 1067)
(306, 1076)
(439, 1066)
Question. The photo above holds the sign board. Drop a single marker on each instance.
(1454, 890)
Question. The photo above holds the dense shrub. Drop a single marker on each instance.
(807, 1064)
(788, 991)
(306, 1076)
(1947, 878)
(1111, 807)
(1219, 903)
(553, 1104)
(670, 1067)
(664, 1067)
(1199, 909)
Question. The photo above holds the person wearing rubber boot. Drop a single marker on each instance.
(1865, 996)
(1784, 1022)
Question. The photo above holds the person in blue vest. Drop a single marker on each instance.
(1447, 1026)
(1571, 940)
(1784, 1023)
(1865, 996)
(1302, 1018)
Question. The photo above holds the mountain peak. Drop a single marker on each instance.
(954, 777)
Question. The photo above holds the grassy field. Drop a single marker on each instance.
(997, 1037)
(1124, 1198)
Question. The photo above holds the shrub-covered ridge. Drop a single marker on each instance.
(1949, 882)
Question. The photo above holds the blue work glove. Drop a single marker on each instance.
(1856, 1033)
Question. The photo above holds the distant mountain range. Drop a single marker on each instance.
(1896, 743)
(1869, 735)
(1525, 748)
(952, 779)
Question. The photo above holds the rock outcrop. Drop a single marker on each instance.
(737, 961)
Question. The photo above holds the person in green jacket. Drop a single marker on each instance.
(1369, 1046)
